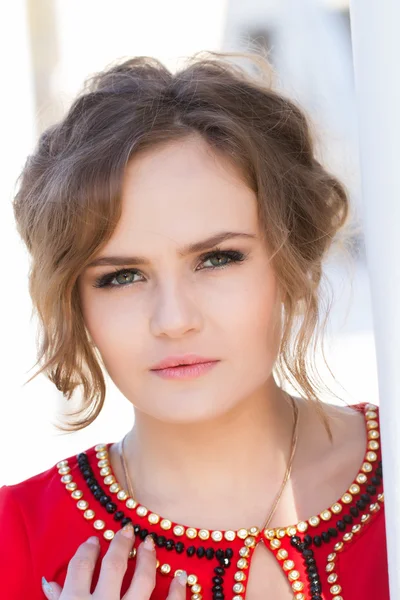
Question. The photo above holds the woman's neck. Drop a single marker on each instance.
(215, 474)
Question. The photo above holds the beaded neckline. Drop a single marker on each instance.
(355, 489)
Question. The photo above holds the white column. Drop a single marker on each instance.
(376, 44)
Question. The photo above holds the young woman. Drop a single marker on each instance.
(178, 225)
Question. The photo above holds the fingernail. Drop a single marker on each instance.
(127, 531)
(149, 543)
(47, 587)
(93, 540)
(182, 578)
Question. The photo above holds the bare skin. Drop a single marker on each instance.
(234, 419)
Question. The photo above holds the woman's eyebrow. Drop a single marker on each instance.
(191, 248)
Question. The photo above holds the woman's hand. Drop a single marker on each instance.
(113, 567)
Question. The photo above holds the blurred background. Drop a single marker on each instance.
(48, 48)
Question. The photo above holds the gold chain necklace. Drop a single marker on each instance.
(284, 481)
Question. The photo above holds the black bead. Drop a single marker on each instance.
(308, 540)
(333, 532)
(169, 545)
(161, 540)
(98, 494)
(201, 552)
(310, 561)
(318, 540)
(118, 515)
(143, 534)
(371, 489)
(218, 580)
(87, 473)
(341, 525)
(125, 521)
(191, 551)
(316, 597)
(376, 480)
(136, 529)
(308, 553)
(295, 540)
(354, 511)
(229, 553)
(218, 595)
(348, 519)
(94, 487)
(226, 562)
(313, 577)
(217, 588)
(325, 536)
(82, 456)
(360, 504)
(179, 547)
(366, 498)
(219, 554)
(311, 569)
(154, 536)
(315, 588)
(210, 553)
(91, 481)
(111, 507)
(219, 571)
(379, 472)
(302, 546)
(104, 499)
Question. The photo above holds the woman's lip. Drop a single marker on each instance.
(185, 371)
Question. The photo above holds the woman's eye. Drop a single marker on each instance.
(125, 277)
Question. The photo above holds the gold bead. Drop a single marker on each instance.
(132, 553)
(131, 503)
(361, 478)
(297, 586)
(300, 596)
(165, 524)
(242, 534)
(103, 463)
(89, 514)
(338, 547)
(302, 526)
(165, 568)
(254, 531)
(102, 454)
(105, 471)
(76, 494)
(153, 518)
(237, 598)
(326, 515)
(331, 557)
(356, 528)
(82, 504)
(367, 467)
(71, 486)
(314, 521)
(336, 508)
(178, 572)
(337, 598)
(365, 518)
(61, 464)
(275, 544)
(288, 565)
(373, 445)
(157, 563)
(178, 530)
(64, 470)
(280, 533)
(240, 576)
(371, 456)
(374, 507)
(142, 511)
(229, 535)
(244, 551)
(250, 541)
(238, 588)
(192, 579)
(108, 534)
(332, 578)
(196, 588)
(330, 567)
(99, 524)
(242, 563)
(114, 488)
(336, 589)
(204, 534)
(291, 531)
(347, 498)
(372, 424)
(191, 533)
(122, 495)
(66, 478)
(381, 497)
(293, 575)
(371, 414)
(100, 447)
(109, 479)
(269, 533)
(197, 596)
(347, 537)
(216, 536)
(354, 489)
(373, 434)
(282, 554)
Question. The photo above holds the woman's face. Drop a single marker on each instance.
(175, 301)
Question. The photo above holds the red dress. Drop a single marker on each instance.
(339, 554)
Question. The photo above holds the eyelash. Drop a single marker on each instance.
(234, 256)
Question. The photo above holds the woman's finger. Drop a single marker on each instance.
(51, 589)
(144, 578)
(177, 589)
(80, 569)
(114, 564)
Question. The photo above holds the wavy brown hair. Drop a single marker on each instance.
(69, 200)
